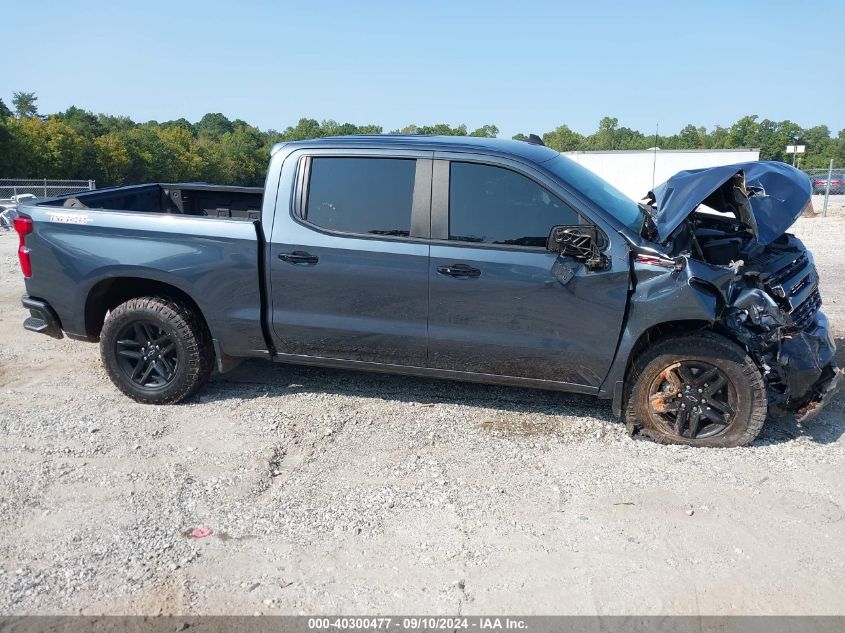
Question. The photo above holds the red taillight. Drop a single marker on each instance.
(23, 226)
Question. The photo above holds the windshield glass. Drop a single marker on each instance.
(601, 192)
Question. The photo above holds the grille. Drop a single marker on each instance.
(801, 285)
(788, 271)
(802, 316)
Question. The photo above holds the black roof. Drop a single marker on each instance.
(502, 147)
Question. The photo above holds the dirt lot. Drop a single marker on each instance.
(332, 491)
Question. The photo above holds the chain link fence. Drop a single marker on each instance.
(818, 178)
(14, 190)
(827, 183)
(41, 187)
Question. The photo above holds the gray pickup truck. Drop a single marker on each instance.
(482, 260)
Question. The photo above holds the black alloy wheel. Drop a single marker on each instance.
(147, 354)
(697, 388)
(693, 399)
(156, 350)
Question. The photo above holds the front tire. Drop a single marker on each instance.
(156, 350)
(699, 389)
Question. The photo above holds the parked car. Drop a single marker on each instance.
(837, 184)
(462, 258)
(7, 217)
(18, 199)
(8, 209)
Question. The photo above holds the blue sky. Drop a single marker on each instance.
(524, 66)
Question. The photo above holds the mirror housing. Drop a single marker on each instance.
(579, 241)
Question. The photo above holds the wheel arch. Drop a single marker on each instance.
(109, 293)
(647, 338)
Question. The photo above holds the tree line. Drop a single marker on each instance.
(113, 150)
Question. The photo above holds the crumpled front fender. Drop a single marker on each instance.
(693, 294)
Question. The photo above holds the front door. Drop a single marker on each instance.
(349, 267)
(502, 304)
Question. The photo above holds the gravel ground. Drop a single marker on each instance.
(331, 491)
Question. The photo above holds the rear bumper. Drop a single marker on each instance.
(43, 319)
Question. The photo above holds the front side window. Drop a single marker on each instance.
(494, 205)
(361, 195)
(601, 192)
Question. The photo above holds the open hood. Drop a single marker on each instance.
(767, 196)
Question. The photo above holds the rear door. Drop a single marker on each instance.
(349, 264)
(502, 304)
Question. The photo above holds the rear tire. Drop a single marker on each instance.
(699, 389)
(156, 350)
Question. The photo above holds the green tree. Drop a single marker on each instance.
(305, 129)
(84, 122)
(24, 103)
(563, 139)
(147, 160)
(182, 123)
(692, 137)
(6, 155)
(839, 150)
(112, 159)
(744, 133)
(214, 125)
(486, 131)
(113, 124)
(66, 150)
(211, 164)
(773, 137)
(46, 149)
(333, 128)
(443, 129)
(820, 147)
(79, 144)
(178, 144)
(243, 157)
(605, 136)
(718, 138)
(610, 136)
(28, 147)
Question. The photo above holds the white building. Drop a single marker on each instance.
(636, 172)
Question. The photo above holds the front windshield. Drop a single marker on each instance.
(601, 192)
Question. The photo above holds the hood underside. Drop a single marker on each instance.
(766, 196)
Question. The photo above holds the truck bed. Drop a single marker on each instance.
(195, 199)
(203, 242)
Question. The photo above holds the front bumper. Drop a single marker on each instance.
(43, 319)
(806, 361)
(823, 393)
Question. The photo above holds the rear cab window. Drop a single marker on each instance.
(361, 195)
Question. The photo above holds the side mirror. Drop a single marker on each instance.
(579, 242)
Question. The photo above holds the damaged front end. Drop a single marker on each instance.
(776, 315)
(726, 228)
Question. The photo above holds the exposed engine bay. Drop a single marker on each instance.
(725, 232)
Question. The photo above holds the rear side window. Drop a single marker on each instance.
(494, 205)
(361, 195)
